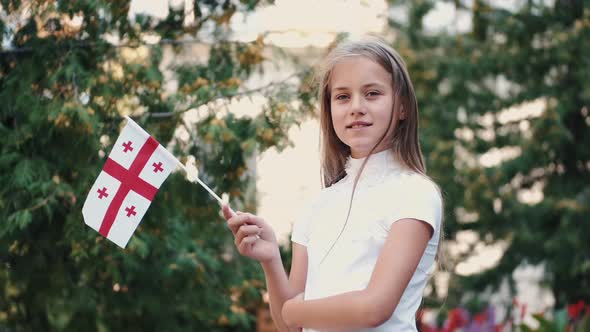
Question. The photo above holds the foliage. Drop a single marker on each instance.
(63, 91)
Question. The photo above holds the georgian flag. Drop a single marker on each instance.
(124, 189)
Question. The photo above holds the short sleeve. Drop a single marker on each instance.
(418, 198)
(302, 225)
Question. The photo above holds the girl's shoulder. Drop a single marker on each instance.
(410, 181)
(317, 198)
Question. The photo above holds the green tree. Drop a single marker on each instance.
(64, 90)
(466, 81)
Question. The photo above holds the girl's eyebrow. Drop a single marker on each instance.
(368, 85)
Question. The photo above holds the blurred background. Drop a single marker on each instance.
(504, 99)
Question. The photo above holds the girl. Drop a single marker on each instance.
(364, 249)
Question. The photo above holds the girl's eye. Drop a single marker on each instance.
(373, 93)
(341, 97)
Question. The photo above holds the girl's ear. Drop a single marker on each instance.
(402, 114)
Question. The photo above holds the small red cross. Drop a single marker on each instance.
(130, 211)
(158, 167)
(102, 193)
(127, 147)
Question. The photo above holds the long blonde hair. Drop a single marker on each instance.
(404, 141)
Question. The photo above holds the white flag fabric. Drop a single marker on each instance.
(134, 171)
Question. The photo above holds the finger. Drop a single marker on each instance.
(246, 230)
(226, 211)
(236, 221)
(254, 219)
(246, 244)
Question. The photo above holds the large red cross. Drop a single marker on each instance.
(129, 181)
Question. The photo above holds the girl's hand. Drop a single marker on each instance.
(253, 237)
(287, 307)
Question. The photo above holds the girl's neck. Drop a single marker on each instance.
(378, 164)
(364, 154)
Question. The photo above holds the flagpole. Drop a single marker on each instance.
(204, 185)
(196, 178)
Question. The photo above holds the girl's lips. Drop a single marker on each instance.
(358, 126)
(359, 123)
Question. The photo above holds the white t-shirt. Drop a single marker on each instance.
(385, 193)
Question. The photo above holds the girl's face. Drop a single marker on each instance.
(361, 102)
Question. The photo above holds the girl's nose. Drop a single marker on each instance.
(357, 105)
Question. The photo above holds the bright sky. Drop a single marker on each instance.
(312, 22)
(292, 23)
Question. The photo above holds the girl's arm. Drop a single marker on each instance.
(375, 304)
(255, 238)
(279, 288)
